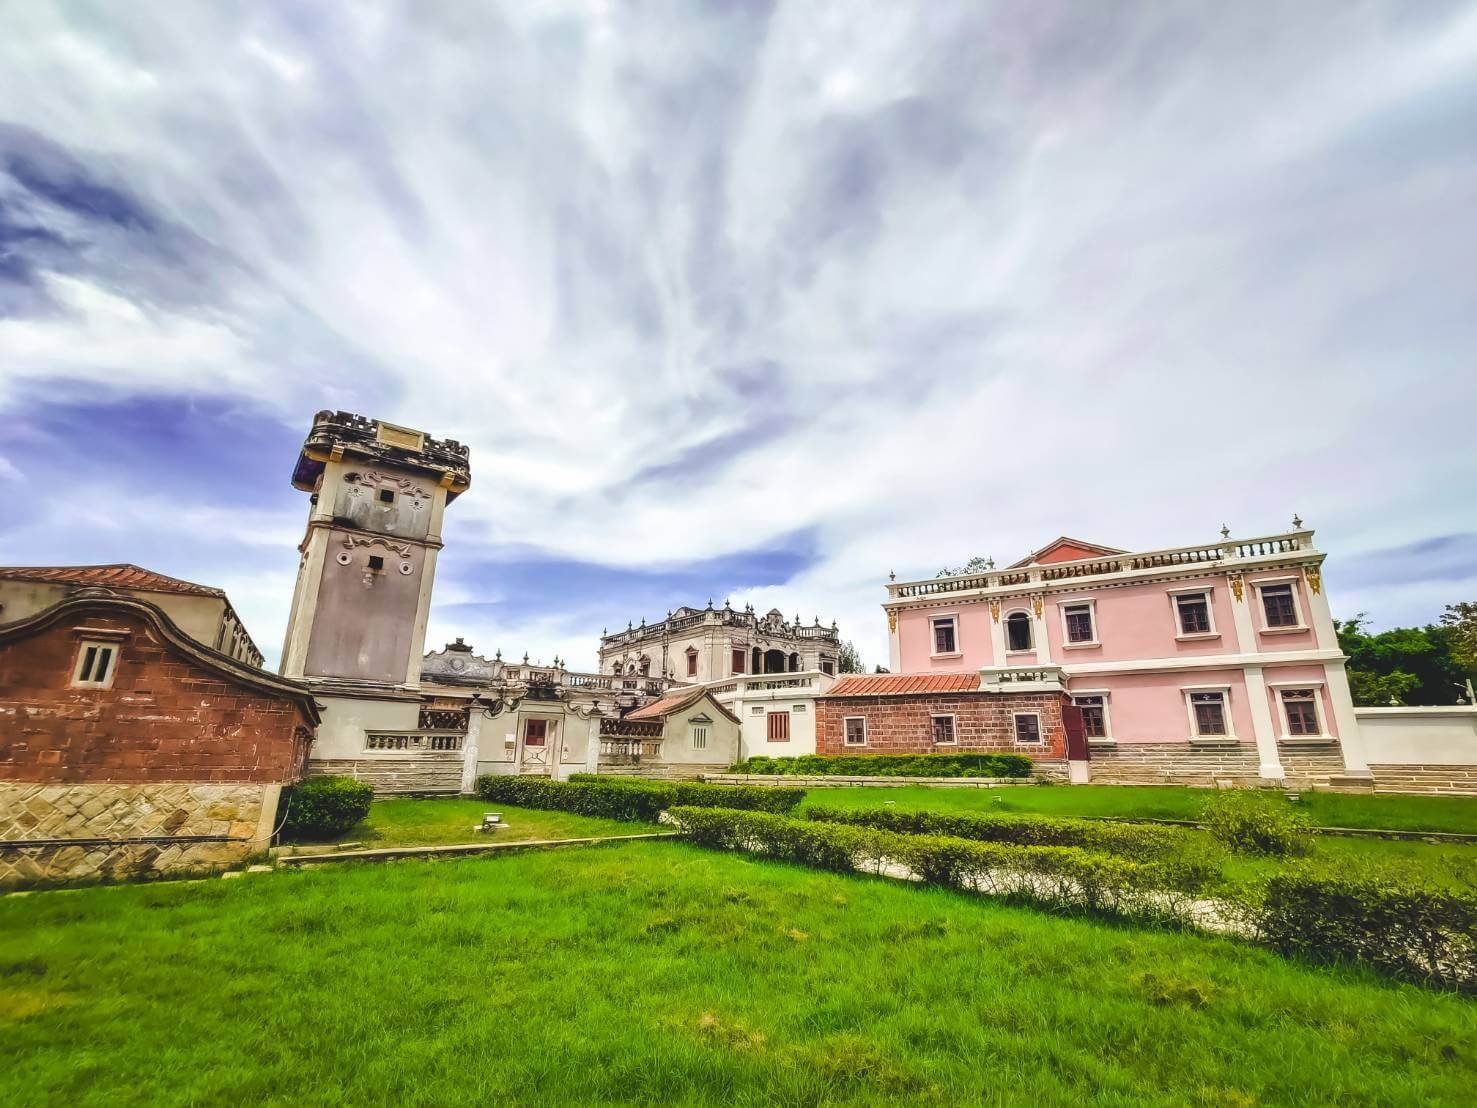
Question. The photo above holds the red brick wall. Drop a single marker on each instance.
(983, 723)
(165, 718)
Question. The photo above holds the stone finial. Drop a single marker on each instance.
(498, 657)
(892, 575)
(990, 562)
(1297, 522)
(525, 657)
(1225, 531)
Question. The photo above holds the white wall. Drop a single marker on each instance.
(346, 719)
(1419, 736)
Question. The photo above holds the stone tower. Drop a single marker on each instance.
(369, 556)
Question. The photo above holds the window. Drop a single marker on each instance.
(854, 731)
(828, 667)
(1077, 619)
(1301, 709)
(798, 709)
(1027, 727)
(1018, 631)
(945, 641)
(376, 562)
(943, 730)
(1208, 714)
(1193, 609)
(699, 737)
(737, 661)
(535, 732)
(692, 663)
(757, 710)
(645, 666)
(779, 727)
(1094, 715)
(1278, 606)
(95, 665)
(387, 496)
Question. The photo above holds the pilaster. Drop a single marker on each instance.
(997, 635)
(469, 751)
(1263, 728)
(1038, 629)
(1351, 739)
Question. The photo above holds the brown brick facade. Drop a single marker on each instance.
(171, 713)
(983, 723)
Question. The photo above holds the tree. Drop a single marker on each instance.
(848, 660)
(1404, 665)
(1460, 622)
(974, 565)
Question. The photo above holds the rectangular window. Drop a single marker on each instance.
(757, 710)
(700, 738)
(855, 731)
(535, 732)
(944, 639)
(798, 709)
(1027, 727)
(943, 730)
(1094, 715)
(376, 562)
(738, 661)
(692, 663)
(387, 496)
(1194, 611)
(1078, 619)
(1278, 605)
(1209, 710)
(95, 664)
(1301, 706)
(828, 667)
(1018, 632)
(779, 727)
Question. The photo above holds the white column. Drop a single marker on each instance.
(1270, 761)
(1038, 629)
(469, 752)
(997, 635)
(894, 646)
(1351, 740)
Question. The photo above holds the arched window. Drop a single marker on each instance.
(1018, 631)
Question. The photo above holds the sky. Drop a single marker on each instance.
(743, 301)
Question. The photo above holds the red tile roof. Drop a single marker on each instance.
(675, 702)
(904, 684)
(119, 576)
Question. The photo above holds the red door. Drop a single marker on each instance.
(1076, 733)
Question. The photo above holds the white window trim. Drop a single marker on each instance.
(1015, 732)
(1077, 602)
(958, 651)
(115, 652)
(953, 728)
(846, 741)
(757, 710)
(1107, 695)
(1297, 607)
(1030, 627)
(1316, 687)
(1194, 734)
(1180, 634)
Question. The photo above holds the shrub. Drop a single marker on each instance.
(1141, 841)
(324, 807)
(1066, 878)
(890, 765)
(631, 798)
(1391, 924)
(1252, 822)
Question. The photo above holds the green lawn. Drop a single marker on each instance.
(656, 972)
(1395, 813)
(443, 821)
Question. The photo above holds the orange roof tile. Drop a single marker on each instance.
(675, 702)
(119, 576)
(904, 684)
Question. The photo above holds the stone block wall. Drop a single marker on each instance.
(61, 832)
(983, 723)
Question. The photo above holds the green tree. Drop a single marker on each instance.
(1404, 665)
(974, 565)
(848, 660)
(1460, 622)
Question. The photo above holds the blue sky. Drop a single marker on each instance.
(748, 301)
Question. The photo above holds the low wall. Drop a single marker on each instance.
(415, 773)
(1052, 769)
(65, 832)
(1419, 736)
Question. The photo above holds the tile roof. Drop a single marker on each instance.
(675, 702)
(904, 684)
(120, 575)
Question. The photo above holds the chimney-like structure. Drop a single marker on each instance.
(369, 556)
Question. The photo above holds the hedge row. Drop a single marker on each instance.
(1426, 934)
(890, 765)
(630, 798)
(1064, 878)
(1143, 842)
(323, 808)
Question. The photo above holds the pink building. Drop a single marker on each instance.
(1200, 663)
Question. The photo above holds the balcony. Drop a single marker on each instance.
(1021, 679)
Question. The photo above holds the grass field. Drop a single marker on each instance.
(656, 972)
(1455, 814)
(448, 820)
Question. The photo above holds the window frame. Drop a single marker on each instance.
(1279, 690)
(1030, 631)
(111, 650)
(769, 726)
(692, 661)
(953, 739)
(1195, 736)
(738, 657)
(951, 618)
(846, 731)
(1291, 584)
(1088, 602)
(1015, 726)
(542, 721)
(1105, 695)
(1207, 592)
(697, 736)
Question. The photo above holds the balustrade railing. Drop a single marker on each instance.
(412, 742)
(630, 747)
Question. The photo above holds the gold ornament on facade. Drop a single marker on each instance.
(1238, 589)
(1315, 578)
(1036, 605)
(892, 621)
(995, 610)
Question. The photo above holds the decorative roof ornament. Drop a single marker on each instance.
(1297, 522)
(498, 657)
(990, 562)
(1225, 531)
(710, 603)
(727, 607)
(525, 657)
(892, 575)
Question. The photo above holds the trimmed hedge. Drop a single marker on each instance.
(323, 807)
(1429, 935)
(890, 765)
(628, 798)
(1061, 877)
(1250, 821)
(1140, 841)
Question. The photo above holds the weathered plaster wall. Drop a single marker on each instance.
(365, 619)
